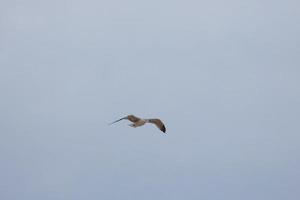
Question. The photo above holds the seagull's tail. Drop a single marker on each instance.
(117, 120)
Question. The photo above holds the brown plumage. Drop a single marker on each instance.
(158, 123)
(133, 118)
(136, 122)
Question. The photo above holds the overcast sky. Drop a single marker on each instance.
(224, 76)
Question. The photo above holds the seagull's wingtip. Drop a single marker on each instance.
(163, 129)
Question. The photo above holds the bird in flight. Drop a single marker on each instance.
(136, 122)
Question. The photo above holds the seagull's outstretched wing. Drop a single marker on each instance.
(159, 124)
(118, 120)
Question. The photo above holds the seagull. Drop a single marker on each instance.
(136, 122)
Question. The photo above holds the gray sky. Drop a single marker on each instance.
(223, 75)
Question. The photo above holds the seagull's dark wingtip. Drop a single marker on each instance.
(163, 129)
(118, 120)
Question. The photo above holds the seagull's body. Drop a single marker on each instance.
(136, 122)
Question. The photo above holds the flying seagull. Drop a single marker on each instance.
(136, 122)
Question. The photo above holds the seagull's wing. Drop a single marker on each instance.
(118, 120)
(158, 123)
